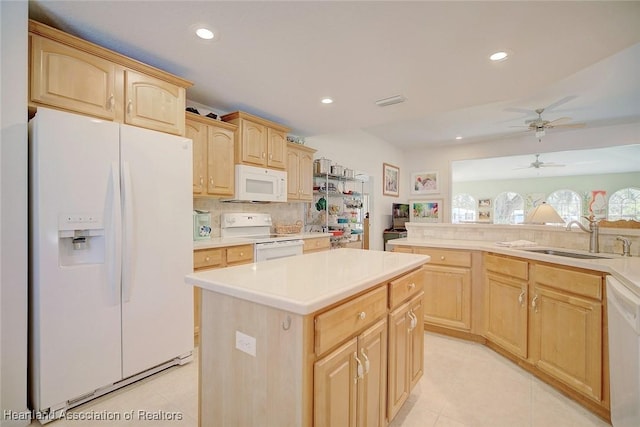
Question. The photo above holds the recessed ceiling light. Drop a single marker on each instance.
(458, 137)
(326, 101)
(204, 33)
(499, 56)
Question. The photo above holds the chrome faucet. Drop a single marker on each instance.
(593, 230)
(626, 245)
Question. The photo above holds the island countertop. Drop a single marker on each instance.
(307, 283)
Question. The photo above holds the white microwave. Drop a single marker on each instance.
(260, 185)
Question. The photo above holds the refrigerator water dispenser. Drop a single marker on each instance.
(80, 239)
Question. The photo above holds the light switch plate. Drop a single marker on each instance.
(246, 343)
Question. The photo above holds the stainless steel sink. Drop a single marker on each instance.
(566, 254)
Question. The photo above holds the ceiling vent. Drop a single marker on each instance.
(390, 101)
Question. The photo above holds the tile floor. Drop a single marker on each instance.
(465, 384)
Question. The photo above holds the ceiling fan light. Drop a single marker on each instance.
(540, 133)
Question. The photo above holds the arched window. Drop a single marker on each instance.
(624, 204)
(463, 208)
(509, 208)
(567, 203)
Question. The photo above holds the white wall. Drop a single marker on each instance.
(365, 153)
(13, 210)
(440, 158)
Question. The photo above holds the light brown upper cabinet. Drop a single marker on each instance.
(259, 142)
(78, 76)
(213, 164)
(299, 172)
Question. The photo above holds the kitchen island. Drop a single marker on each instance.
(303, 341)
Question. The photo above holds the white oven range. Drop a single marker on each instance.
(257, 227)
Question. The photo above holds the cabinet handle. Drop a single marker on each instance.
(270, 156)
(111, 102)
(201, 180)
(264, 154)
(366, 361)
(210, 180)
(362, 315)
(207, 259)
(442, 258)
(129, 106)
(241, 253)
(413, 319)
(521, 297)
(411, 285)
(360, 371)
(534, 304)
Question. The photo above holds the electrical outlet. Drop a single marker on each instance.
(246, 343)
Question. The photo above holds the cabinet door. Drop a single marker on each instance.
(372, 388)
(253, 143)
(447, 299)
(276, 149)
(220, 164)
(416, 341)
(399, 359)
(153, 103)
(506, 312)
(68, 78)
(335, 387)
(567, 339)
(293, 173)
(197, 132)
(305, 177)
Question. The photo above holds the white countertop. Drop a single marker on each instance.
(307, 283)
(220, 242)
(625, 269)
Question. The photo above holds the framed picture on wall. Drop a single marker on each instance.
(424, 183)
(390, 180)
(425, 210)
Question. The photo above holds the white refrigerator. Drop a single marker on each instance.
(110, 244)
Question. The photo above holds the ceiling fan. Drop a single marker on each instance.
(537, 164)
(540, 125)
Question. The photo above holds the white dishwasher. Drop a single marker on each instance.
(624, 354)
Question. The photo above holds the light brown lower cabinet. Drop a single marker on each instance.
(551, 318)
(331, 368)
(316, 244)
(406, 352)
(204, 259)
(350, 382)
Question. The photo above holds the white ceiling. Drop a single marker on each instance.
(278, 59)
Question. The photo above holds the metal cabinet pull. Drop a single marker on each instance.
(521, 297)
(286, 325)
(362, 315)
(111, 103)
(359, 370)
(264, 154)
(411, 285)
(534, 304)
(366, 361)
(201, 180)
(129, 106)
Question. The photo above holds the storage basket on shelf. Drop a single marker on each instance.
(289, 228)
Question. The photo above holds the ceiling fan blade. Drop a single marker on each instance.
(560, 102)
(552, 165)
(569, 126)
(559, 121)
(518, 110)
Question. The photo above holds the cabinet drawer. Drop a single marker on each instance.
(577, 282)
(403, 249)
(508, 266)
(239, 254)
(208, 258)
(446, 257)
(316, 244)
(405, 287)
(348, 319)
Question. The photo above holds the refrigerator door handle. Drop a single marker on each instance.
(114, 270)
(127, 248)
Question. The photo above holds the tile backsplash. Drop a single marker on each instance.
(543, 235)
(281, 213)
